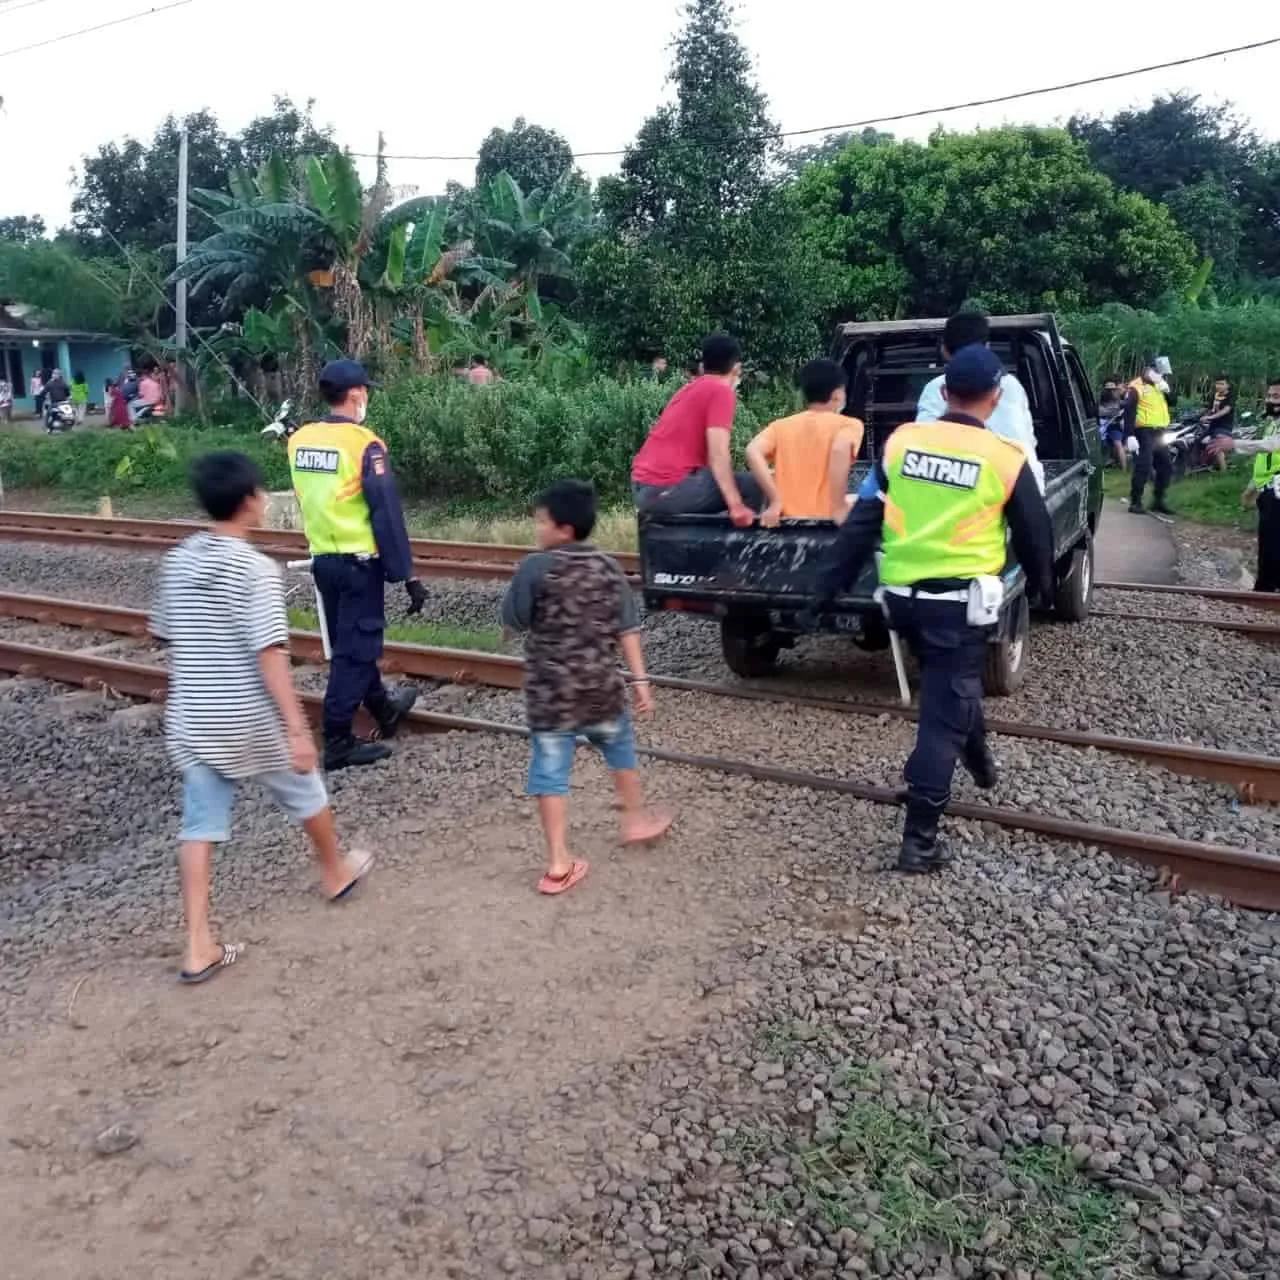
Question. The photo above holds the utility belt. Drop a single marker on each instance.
(351, 557)
(983, 596)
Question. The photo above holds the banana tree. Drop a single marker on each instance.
(533, 232)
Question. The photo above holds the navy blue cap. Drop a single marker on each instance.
(343, 375)
(973, 371)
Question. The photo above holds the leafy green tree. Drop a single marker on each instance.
(536, 158)
(22, 229)
(1207, 166)
(128, 193)
(1016, 218)
(695, 235)
(797, 159)
(68, 291)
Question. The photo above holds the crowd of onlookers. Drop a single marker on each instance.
(126, 398)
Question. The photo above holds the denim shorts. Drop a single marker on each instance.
(551, 758)
(207, 797)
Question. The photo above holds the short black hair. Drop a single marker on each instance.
(1222, 377)
(720, 352)
(571, 503)
(480, 360)
(332, 394)
(78, 376)
(820, 380)
(1274, 381)
(223, 481)
(964, 329)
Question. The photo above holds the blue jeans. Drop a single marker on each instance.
(207, 796)
(551, 757)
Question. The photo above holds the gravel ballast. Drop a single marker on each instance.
(748, 1053)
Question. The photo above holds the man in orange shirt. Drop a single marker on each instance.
(812, 452)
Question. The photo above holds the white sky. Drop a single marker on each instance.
(436, 78)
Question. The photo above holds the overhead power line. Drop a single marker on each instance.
(902, 115)
(84, 31)
(11, 6)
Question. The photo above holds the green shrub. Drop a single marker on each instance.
(89, 462)
(511, 439)
(1242, 341)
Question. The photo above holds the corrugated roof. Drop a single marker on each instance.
(69, 335)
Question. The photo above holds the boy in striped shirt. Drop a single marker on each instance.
(232, 713)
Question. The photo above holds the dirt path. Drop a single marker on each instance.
(407, 1085)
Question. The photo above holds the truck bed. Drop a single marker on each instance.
(703, 561)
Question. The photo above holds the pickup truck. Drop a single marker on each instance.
(759, 583)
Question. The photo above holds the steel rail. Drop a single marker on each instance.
(1240, 876)
(148, 533)
(1255, 777)
(1266, 632)
(492, 553)
(1227, 595)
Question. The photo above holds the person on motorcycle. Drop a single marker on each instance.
(1220, 416)
(1146, 416)
(1111, 420)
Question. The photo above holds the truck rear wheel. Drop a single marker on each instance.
(1006, 667)
(1073, 592)
(750, 646)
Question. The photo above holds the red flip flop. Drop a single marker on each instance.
(551, 885)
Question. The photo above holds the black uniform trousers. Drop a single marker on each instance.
(951, 654)
(351, 591)
(1268, 578)
(1151, 457)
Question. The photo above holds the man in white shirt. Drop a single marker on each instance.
(1012, 416)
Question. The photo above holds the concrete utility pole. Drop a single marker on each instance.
(180, 302)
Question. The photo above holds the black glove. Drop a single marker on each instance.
(417, 596)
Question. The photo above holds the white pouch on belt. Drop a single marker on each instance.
(986, 595)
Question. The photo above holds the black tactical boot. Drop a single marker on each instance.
(921, 850)
(343, 750)
(981, 765)
(390, 710)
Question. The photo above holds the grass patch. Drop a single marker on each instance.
(892, 1175)
(1208, 497)
(442, 634)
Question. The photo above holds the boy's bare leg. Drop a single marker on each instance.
(638, 823)
(336, 871)
(554, 812)
(194, 858)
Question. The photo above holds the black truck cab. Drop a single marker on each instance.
(759, 582)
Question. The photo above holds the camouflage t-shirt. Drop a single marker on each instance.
(572, 604)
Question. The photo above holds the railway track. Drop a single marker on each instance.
(1245, 878)
(1255, 777)
(493, 560)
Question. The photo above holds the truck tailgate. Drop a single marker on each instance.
(704, 558)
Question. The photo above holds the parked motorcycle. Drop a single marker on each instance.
(281, 427)
(1188, 439)
(59, 417)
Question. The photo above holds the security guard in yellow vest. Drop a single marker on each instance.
(941, 498)
(1146, 415)
(1264, 486)
(355, 529)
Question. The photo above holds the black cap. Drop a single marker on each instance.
(973, 371)
(343, 375)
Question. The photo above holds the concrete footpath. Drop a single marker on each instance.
(1134, 548)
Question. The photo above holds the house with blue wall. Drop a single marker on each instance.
(24, 351)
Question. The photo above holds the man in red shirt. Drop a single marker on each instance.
(684, 466)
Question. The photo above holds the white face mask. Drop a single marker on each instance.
(362, 410)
